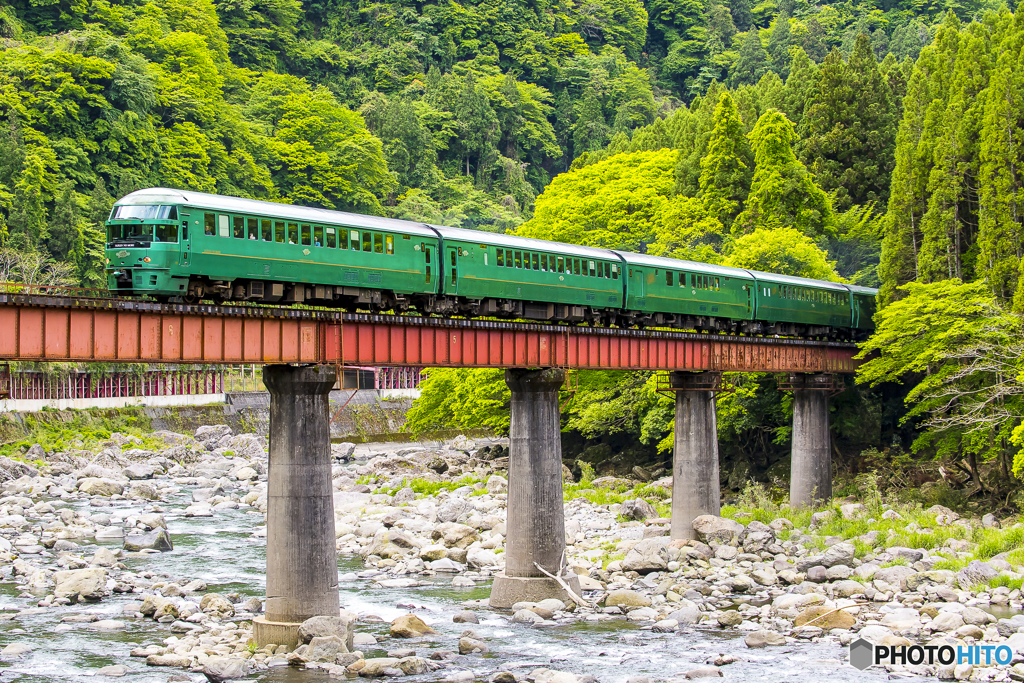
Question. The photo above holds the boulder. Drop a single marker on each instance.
(81, 584)
(825, 618)
(627, 598)
(688, 613)
(389, 543)
(895, 576)
(638, 509)
(497, 484)
(138, 471)
(711, 528)
(840, 553)
(759, 639)
(181, 661)
(409, 626)
(325, 649)
(225, 668)
(340, 626)
(157, 539)
(974, 573)
(454, 535)
(649, 555)
(94, 486)
(215, 603)
(143, 491)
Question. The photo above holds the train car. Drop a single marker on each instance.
(796, 306)
(501, 275)
(188, 246)
(168, 243)
(687, 294)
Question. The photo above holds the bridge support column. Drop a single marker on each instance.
(810, 479)
(536, 522)
(302, 564)
(696, 489)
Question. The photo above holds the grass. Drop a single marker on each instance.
(916, 528)
(85, 431)
(1007, 582)
(425, 487)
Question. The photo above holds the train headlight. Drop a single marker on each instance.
(108, 260)
(146, 260)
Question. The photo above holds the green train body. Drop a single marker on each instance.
(176, 244)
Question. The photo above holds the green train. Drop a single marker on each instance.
(180, 245)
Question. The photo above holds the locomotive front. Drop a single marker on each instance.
(145, 245)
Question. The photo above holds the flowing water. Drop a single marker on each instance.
(221, 551)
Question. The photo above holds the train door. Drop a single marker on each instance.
(639, 287)
(428, 266)
(855, 311)
(186, 244)
(452, 286)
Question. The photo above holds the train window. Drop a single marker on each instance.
(223, 228)
(343, 239)
(278, 231)
(519, 259)
(239, 227)
(544, 263)
(293, 233)
(306, 234)
(354, 236)
(615, 272)
(593, 271)
(501, 257)
(608, 270)
(367, 241)
(576, 266)
(536, 261)
(560, 265)
(509, 259)
(210, 221)
(318, 235)
(332, 238)
(166, 233)
(389, 246)
(378, 243)
(668, 278)
(600, 269)
(253, 229)
(716, 284)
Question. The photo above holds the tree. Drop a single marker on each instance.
(461, 398)
(728, 166)
(849, 129)
(782, 193)
(813, 41)
(741, 14)
(962, 353)
(778, 46)
(590, 132)
(478, 125)
(782, 250)
(752, 62)
(612, 204)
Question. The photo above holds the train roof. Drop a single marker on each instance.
(797, 281)
(857, 289)
(680, 264)
(200, 200)
(529, 243)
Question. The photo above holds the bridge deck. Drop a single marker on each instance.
(45, 327)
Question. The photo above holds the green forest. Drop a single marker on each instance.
(871, 142)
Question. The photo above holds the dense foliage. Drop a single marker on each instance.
(879, 144)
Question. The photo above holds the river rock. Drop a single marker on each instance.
(16, 649)
(94, 486)
(759, 639)
(626, 598)
(225, 668)
(711, 528)
(895, 576)
(340, 626)
(325, 649)
(409, 626)
(902, 619)
(215, 603)
(688, 613)
(157, 539)
(168, 660)
(649, 555)
(729, 617)
(638, 509)
(840, 553)
(81, 584)
(138, 470)
(974, 573)
(469, 646)
(816, 616)
(704, 672)
(497, 484)
(114, 671)
(389, 543)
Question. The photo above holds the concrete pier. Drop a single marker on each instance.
(302, 565)
(695, 482)
(811, 465)
(536, 522)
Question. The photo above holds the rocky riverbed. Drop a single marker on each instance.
(145, 558)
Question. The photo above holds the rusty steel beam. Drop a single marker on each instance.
(55, 328)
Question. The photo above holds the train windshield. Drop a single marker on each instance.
(144, 212)
(143, 233)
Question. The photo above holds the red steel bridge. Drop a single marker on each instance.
(57, 324)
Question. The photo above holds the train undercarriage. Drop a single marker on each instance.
(353, 299)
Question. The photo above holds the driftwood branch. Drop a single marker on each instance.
(565, 586)
(837, 609)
